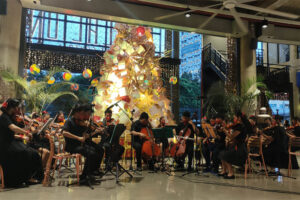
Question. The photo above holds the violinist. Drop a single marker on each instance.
(163, 141)
(186, 124)
(139, 139)
(60, 119)
(21, 163)
(108, 120)
(45, 116)
(75, 130)
(236, 152)
(272, 150)
(112, 153)
(296, 127)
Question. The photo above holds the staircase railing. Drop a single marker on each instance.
(213, 56)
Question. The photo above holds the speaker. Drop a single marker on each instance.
(3, 7)
(253, 43)
(258, 29)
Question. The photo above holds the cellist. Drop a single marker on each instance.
(186, 123)
(139, 138)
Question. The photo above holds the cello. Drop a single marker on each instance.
(178, 149)
(149, 148)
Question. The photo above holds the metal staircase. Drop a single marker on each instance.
(213, 59)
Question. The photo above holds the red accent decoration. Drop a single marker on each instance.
(140, 31)
(44, 112)
(96, 118)
(4, 105)
(125, 98)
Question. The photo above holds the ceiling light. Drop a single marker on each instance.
(188, 14)
(264, 23)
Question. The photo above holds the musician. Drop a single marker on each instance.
(212, 147)
(253, 130)
(75, 130)
(60, 119)
(186, 122)
(296, 123)
(236, 152)
(272, 150)
(112, 153)
(164, 141)
(45, 116)
(138, 139)
(21, 164)
(108, 120)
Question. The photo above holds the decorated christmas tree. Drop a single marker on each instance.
(131, 74)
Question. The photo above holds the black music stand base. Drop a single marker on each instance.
(120, 170)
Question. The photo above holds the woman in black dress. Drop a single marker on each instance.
(236, 152)
(21, 164)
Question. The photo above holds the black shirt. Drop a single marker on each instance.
(6, 135)
(297, 131)
(137, 126)
(75, 129)
(240, 138)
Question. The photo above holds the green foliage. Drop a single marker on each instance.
(220, 101)
(40, 95)
(189, 91)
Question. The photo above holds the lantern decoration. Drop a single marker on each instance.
(67, 76)
(173, 80)
(94, 82)
(51, 80)
(34, 69)
(140, 31)
(32, 82)
(75, 87)
(87, 73)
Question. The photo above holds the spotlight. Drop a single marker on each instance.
(188, 14)
(264, 23)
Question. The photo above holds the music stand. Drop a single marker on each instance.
(163, 134)
(116, 131)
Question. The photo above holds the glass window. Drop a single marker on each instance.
(273, 53)
(77, 32)
(284, 53)
(298, 52)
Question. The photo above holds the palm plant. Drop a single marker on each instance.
(40, 95)
(220, 101)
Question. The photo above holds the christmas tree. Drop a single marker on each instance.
(131, 74)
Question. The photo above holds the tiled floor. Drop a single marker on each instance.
(161, 186)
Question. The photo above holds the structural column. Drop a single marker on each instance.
(247, 63)
(295, 66)
(10, 29)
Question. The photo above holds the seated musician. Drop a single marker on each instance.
(108, 120)
(112, 153)
(60, 119)
(253, 123)
(186, 123)
(272, 150)
(296, 127)
(236, 152)
(45, 116)
(75, 130)
(20, 162)
(212, 146)
(139, 138)
(164, 141)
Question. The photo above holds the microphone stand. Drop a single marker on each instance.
(132, 138)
